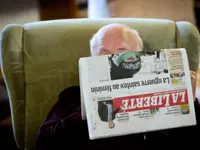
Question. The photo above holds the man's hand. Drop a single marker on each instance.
(193, 76)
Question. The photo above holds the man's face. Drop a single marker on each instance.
(113, 51)
(114, 45)
(118, 39)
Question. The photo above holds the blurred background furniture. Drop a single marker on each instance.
(40, 59)
(176, 10)
(197, 12)
(24, 11)
(59, 9)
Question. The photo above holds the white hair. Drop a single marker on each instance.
(139, 40)
(95, 42)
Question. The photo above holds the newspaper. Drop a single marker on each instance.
(136, 92)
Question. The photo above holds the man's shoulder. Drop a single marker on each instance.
(69, 101)
(71, 93)
(68, 90)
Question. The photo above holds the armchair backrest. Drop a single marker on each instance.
(40, 59)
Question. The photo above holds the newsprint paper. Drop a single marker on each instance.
(135, 92)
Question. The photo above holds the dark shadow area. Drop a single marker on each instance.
(6, 131)
(7, 138)
(4, 101)
(14, 6)
(197, 12)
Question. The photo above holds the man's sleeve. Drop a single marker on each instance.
(61, 123)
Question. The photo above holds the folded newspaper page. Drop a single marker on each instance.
(136, 92)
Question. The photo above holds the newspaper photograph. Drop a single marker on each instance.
(136, 92)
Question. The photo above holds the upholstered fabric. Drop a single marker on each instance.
(40, 59)
(188, 37)
(13, 72)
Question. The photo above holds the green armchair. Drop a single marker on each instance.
(40, 59)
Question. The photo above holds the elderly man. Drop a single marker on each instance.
(64, 127)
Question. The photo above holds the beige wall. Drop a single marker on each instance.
(18, 11)
(177, 10)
